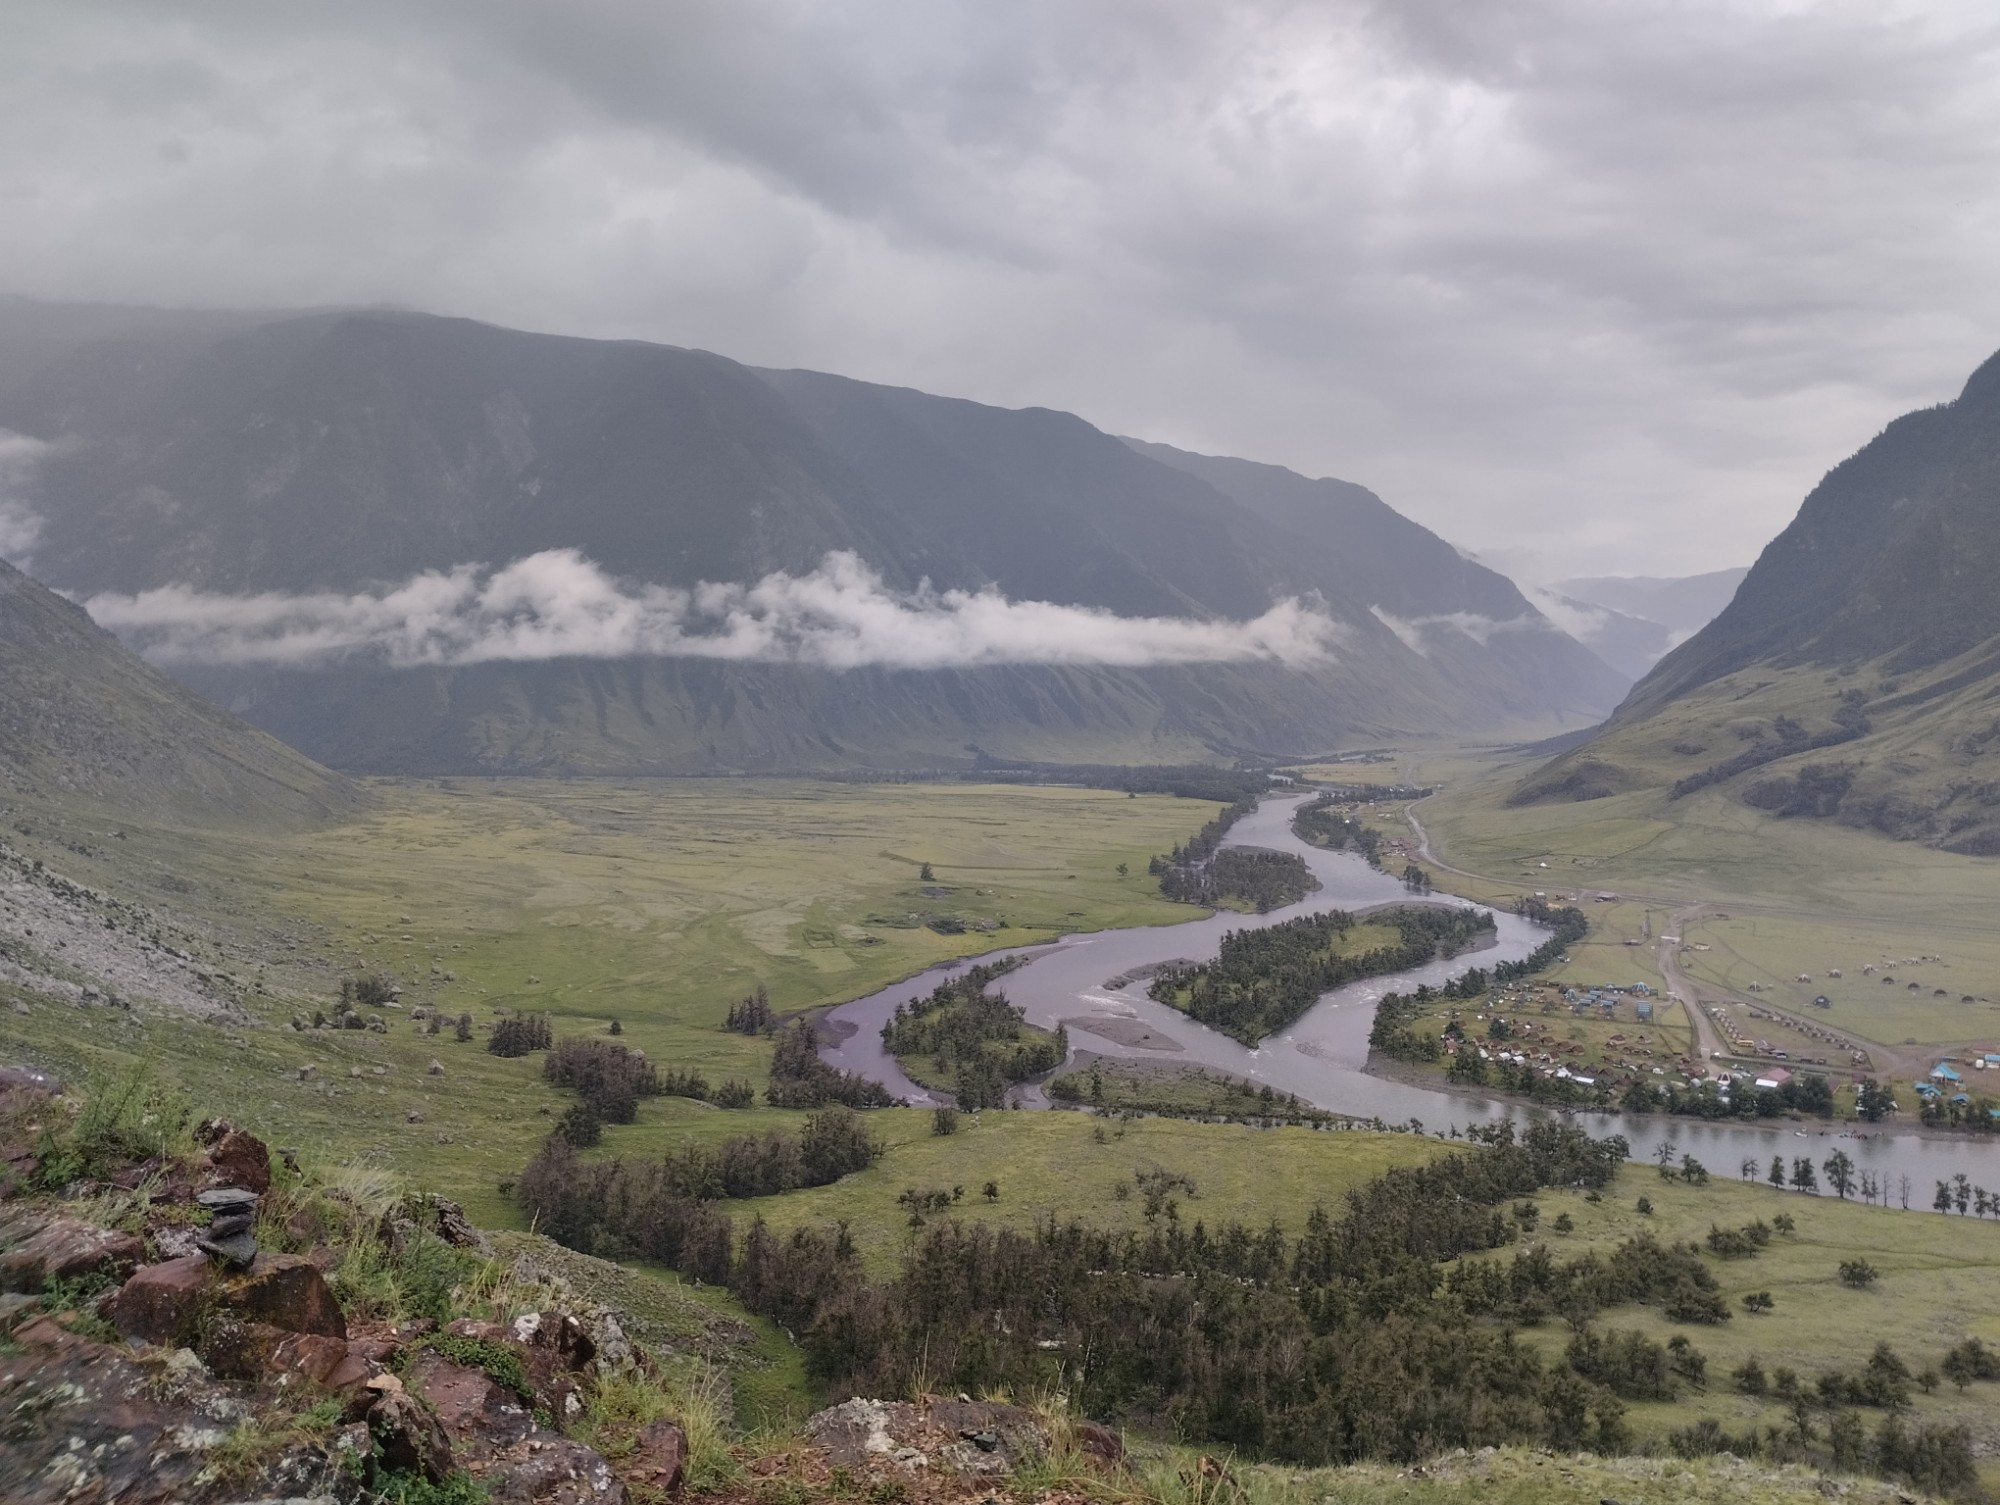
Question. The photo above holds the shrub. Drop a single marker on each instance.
(1858, 1273)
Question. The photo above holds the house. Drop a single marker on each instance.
(1773, 1079)
(1942, 1072)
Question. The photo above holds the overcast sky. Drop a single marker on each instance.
(1585, 286)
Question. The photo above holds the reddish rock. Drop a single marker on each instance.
(64, 1249)
(163, 1303)
(285, 1291)
(408, 1438)
(660, 1461)
(240, 1159)
(1099, 1444)
(480, 1415)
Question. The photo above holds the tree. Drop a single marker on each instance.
(990, 1191)
(1693, 1171)
(1749, 1168)
(944, 1119)
(1961, 1194)
(1858, 1273)
(1942, 1201)
(616, 1028)
(464, 1030)
(1777, 1176)
(1803, 1177)
(1873, 1100)
(1840, 1173)
(1663, 1157)
(925, 875)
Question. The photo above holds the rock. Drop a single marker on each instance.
(15, 1309)
(307, 1073)
(478, 1414)
(1099, 1444)
(91, 1422)
(659, 1458)
(163, 1303)
(231, 1234)
(286, 1291)
(408, 1438)
(413, 1116)
(497, 1440)
(65, 1248)
(240, 1159)
(956, 1437)
(550, 1470)
(436, 1068)
(432, 1214)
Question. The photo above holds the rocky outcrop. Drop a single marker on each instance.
(64, 1248)
(967, 1438)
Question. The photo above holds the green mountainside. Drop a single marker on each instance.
(1854, 674)
(330, 452)
(83, 721)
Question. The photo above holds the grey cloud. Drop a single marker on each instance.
(558, 604)
(1611, 285)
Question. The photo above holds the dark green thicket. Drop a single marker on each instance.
(800, 1079)
(1265, 979)
(980, 1036)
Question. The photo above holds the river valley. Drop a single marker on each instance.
(1323, 1056)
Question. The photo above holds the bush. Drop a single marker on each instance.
(1858, 1273)
(735, 1093)
(944, 1120)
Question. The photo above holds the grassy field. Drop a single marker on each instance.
(1935, 1290)
(1782, 897)
(656, 904)
(1065, 1165)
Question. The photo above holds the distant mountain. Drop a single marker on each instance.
(1683, 604)
(84, 721)
(329, 453)
(1854, 673)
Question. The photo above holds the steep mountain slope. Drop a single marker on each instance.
(332, 452)
(1462, 616)
(83, 720)
(1855, 672)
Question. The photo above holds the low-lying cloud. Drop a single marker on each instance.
(1415, 633)
(558, 604)
(20, 524)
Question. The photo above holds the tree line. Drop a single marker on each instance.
(1266, 880)
(1265, 979)
(1324, 825)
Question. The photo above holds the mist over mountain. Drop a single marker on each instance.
(416, 544)
(1854, 671)
(1633, 621)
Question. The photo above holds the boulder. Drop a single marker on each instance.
(407, 1437)
(164, 1303)
(65, 1248)
(496, 1439)
(240, 1159)
(286, 1291)
(950, 1437)
(89, 1421)
(1100, 1444)
(659, 1457)
(480, 1415)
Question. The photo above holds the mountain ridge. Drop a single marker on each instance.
(1853, 674)
(331, 451)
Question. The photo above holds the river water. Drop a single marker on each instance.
(1322, 1056)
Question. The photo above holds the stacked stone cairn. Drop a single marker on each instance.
(232, 1234)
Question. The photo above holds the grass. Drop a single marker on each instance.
(1936, 1290)
(655, 904)
(1066, 1165)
